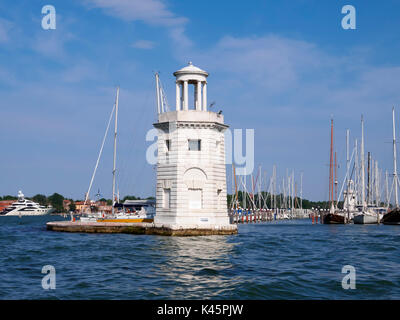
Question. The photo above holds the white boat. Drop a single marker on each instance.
(133, 211)
(25, 207)
(367, 217)
(91, 217)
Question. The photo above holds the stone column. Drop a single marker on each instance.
(205, 96)
(185, 95)
(178, 96)
(198, 96)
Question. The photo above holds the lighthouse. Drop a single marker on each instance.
(191, 171)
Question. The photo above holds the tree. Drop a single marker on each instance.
(56, 200)
(72, 206)
(130, 198)
(41, 199)
(108, 201)
(8, 197)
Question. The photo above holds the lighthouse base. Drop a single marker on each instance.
(141, 228)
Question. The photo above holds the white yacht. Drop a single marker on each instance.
(24, 207)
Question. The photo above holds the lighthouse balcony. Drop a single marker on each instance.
(191, 116)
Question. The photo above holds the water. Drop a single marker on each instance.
(278, 260)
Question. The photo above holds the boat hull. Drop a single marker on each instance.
(365, 219)
(19, 213)
(392, 217)
(332, 218)
(128, 220)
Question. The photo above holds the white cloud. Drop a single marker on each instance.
(51, 43)
(272, 62)
(143, 44)
(151, 12)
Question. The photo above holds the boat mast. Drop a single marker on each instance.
(293, 191)
(348, 171)
(236, 189)
(115, 148)
(357, 173)
(301, 190)
(369, 179)
(158, 93)
(331, 169)
(336, 181)
(396, 199)
(97, 161)
(377, 184)
(259, 188)
(362, 164)
(274, 185)
(387, 188)
(244, 190)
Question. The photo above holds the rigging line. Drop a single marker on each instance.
(345, 178)
(390, 194)
(246, 192)
(164, 100)
(99, 156)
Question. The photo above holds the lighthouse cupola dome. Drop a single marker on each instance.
(191, 75)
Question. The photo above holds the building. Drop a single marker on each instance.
(66, 204)
(80, 204)
(5, 204)
(191, 171)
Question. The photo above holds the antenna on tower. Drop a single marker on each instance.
(162, 102)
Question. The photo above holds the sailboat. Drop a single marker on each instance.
(144, 212)
(393, 216)
(333, 217)
(366, 216)
(349, 195)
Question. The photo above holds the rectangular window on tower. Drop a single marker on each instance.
(194, 144)
(168, 144)
(166, 198)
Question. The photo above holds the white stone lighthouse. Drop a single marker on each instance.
(191, 172)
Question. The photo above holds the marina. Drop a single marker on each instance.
(210, 151)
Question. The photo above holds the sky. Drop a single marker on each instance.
(282, 68)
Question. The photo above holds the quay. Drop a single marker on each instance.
(264, 215)
(139, 228)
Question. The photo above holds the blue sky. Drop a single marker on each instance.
(280, 67)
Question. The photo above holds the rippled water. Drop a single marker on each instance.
(278, 260)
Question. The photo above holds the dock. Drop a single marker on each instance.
(263, 215)
(137, 228)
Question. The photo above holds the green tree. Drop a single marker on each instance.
(56, 200)
(72, 206)
(108, 201)
(130, 198)
(40, 198)
(8, 197)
